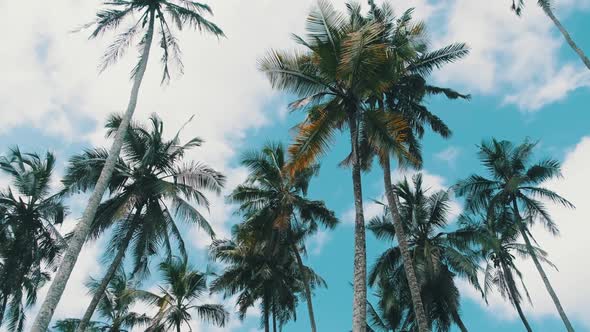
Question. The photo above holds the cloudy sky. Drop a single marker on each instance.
(525, 82)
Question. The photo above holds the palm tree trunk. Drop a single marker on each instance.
(99, 293)
(547, 9)
(306, 286)
(531, 251)
(359, 301)
(392, 201)
(459, 321)
(514, 299)
(274, 317)
(81, 232)
(178, 327)
(266, 312)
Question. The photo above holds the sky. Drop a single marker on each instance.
(524, 82)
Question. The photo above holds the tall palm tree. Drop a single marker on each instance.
(547, 7)
(154, 15)
(149, 176)
(515, 181)
(275, 200)
(409, 62)
(338, 67)
(114, 307)
(258, 272)
(182, 287)
(497, 240)
(438, 257)
(31, 245)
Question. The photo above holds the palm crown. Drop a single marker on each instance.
(30, 244)
(183, 286)
(438, 256)
(147, 178)
(169, 14)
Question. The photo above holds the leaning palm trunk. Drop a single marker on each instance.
(81, 232)
(457, 319)
(99, 292)
(392, 201)
(544, 277)
(359, 309)
(306, 287)
(513, 298)
(547, 9)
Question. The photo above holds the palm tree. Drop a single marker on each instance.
(547, 7)
(438, 257)
(153, 15)
(148, 176)
(114, 307)
(516, 182)
(31, 245)
(257, 271)
(338, 67)
(497, 241)
(183, 286)
(276, 201)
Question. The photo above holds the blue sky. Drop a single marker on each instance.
(524, 82)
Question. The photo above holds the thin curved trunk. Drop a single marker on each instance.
(106, 279)
(544, 277)
(306, 287)
(457, 319)
(514, 298)
(359, 309)
(567, 36)
(392, 201)
(274, 317)
(266, 312)
(81, 232)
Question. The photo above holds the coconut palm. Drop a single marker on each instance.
(114, 307)
(438, 258)
(31, 244)
(497, 240)
(399, 103)
(515, 181)
(150, 17)
(275, 200)
(336, 69)
(257, 271)
(547, 7)
(147, 178)
(182, 287)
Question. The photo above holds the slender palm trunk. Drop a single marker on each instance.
(513, 298)
(306, 287)
(274, 317)
(99, 293)
(544, 277)
(81, 232)
(392, 201)
(359, 309)
(457, 319)
(266, 312)
(567, 36)
(178, 327)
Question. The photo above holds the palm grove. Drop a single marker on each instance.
(363, 72)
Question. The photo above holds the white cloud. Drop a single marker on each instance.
(567, 251)
(317, 242)
(517, 56)
(449, 155)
